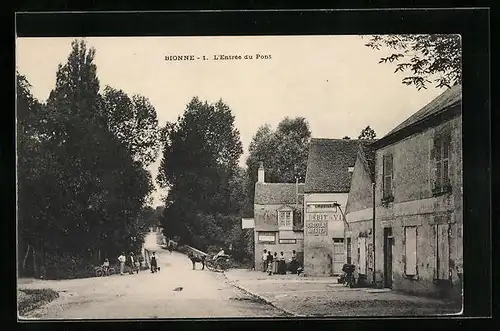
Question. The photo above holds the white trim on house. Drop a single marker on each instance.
(360, 215)
(407, 208)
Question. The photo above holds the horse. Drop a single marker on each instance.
(196, 259)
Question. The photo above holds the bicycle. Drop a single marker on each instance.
(100, 271)
(347, 277)
(220, 264)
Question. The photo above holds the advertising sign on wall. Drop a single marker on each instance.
(317, 217)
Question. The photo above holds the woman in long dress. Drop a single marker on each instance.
(281, 264)
(275, 263)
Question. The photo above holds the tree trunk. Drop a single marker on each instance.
(26, 257)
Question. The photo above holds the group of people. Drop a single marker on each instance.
(130, 261)
(275, 264)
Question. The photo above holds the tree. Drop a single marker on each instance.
(133, 121)
(426, 57)
(367, 133)
(283, 152)
(200, 155)
(80, 181)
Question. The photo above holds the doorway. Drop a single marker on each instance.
(388, 257)
(338, 255)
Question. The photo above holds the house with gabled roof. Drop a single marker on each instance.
(278, 218)
(328, 179)
(417, 203)
(359, 214)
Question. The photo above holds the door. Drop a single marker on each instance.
(388, 257)
(338, 256)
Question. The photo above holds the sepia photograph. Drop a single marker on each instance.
(174, 177)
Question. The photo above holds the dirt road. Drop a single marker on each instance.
(146, 295)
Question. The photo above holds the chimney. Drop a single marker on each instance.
(261, 173)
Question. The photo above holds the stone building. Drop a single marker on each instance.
(418, 203)
(359, 214)
(328, 178)
(278, 218)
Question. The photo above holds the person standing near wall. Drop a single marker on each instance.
(275, 263)
(269, 263)
(264, 260)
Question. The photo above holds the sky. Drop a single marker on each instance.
(335, 82)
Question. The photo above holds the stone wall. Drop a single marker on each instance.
(415, 205)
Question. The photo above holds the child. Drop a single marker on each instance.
(105, 267)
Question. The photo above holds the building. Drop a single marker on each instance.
(278, 218)
(328, 178)
(418, 203)
(359, 214)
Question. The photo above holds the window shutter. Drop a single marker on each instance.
(411, 250)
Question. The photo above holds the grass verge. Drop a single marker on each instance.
(34, 298)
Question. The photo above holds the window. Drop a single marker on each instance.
(267, 237)
(387, 176)
(442, 252)
(285, 218)
(411, 250)
(441, 168)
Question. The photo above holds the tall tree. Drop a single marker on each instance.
(200, 154)
(427, 58)
(367, 133)
(133, 121)
(283, 152)
(80, 183)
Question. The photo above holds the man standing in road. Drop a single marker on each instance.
(122, 259)
(264, 260)
(131, 262)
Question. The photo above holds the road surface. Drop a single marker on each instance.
(145, 295)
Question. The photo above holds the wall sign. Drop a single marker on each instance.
(267, 237)
(288, 241)
(317, 228)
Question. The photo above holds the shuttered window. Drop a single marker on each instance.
(411, 250)
(442, 251)
(387, 176)
(362, 255)
(441, 155)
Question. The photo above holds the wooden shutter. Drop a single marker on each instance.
(445, 157)
(411, 250)
(443, 251)
(387, 174)
(362, 255)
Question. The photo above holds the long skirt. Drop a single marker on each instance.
(275, 267)
(282, 267)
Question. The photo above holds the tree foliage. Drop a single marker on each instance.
(81, 187)
(367, 133)
(199, 168)
(426, 58)
(283, 153)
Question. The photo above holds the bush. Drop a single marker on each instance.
(35, 298)
(65, 266)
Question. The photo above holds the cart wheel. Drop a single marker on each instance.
(111, 271)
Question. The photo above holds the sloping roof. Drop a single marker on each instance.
(328, 164)
(367, 156)
(277, 193)
(447, 99)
